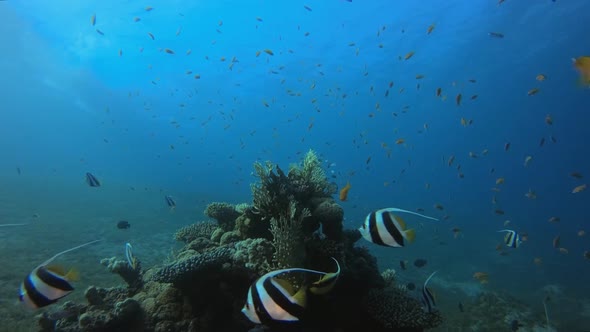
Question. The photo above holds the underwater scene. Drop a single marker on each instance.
(333, 166)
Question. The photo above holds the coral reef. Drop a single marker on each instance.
(293, 222)
(288, 239)
(132, 276)
(394, 309)
(225, 214)
(200, 229)
(183, 270)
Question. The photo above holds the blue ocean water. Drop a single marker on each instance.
(107, 98)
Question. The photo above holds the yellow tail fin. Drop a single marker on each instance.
(73, 275)
(410, 235)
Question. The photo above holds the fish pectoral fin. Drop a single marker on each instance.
(400, 221)
(73, 275)
(410, 235)
(286, 285)
(301, 296)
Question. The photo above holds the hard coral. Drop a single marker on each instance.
(200, 229)
(394, 309)
(181, 271)
(132, 276)
(330, 215)
(254, 254)
(225, 214)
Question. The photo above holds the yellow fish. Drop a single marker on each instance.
(579, 188)
(582, 64)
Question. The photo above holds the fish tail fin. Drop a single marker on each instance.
(410, 235)
(73, 275)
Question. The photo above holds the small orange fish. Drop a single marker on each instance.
(93, 19)
(400, 141)
(169, 51)
(500, 180)
(458, 99)
(576, 175)
(269, 52)
(409, 55)
(344, 192)
(554, 219)
(197, 77)
(541, 77)
(538, 261)
(438, 92)
(136, 19)
(581, 232)
(419, 76)
(579, 188)
(563, 250)
(151, 36)
(533, 91)
(148, 9)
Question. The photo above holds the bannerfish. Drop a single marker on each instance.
(46, 284)
(427, 298)
(131, 260)
(512, 238)
(272, 300)
(384, 228)
(171, 203)
(92, 180)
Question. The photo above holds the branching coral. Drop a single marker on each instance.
(275, 189)
(311, 176)
(288, 239)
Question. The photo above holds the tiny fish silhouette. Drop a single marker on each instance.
(92, 180)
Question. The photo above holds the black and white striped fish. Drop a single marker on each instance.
(272, 300)
(170, 202)
(427, 297)
(92, 180)
(512, 238)
(46, 284)
(384, 228)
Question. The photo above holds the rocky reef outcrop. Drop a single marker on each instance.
(293, 221)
